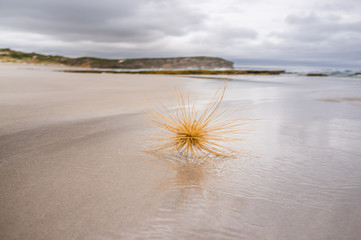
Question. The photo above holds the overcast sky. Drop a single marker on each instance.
(274, 32)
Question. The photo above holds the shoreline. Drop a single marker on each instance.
(184, 72)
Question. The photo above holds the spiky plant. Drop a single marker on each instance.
(193, 133)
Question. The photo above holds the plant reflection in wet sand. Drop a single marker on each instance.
(190, 183)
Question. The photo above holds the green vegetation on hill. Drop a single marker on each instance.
(184, 72)
(8, 55)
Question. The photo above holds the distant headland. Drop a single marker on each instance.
(176, 65)
(8, 55)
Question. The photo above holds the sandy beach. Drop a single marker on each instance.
(71, 165)
(66, 156)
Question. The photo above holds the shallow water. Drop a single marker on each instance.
(298, 177)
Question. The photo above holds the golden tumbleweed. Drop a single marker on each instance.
(191, 131)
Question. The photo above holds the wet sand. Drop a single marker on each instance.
(71, 165)
(68, 169)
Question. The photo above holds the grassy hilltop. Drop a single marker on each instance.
(178, 66)
(8, 55)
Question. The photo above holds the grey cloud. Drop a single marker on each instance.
(299, 20)
(316, 39)
(230, 33)
(222, 36)
(312, 28)
(107, 21)
(347, 6)
(324, 30)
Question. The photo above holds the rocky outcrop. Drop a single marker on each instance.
(316, 75)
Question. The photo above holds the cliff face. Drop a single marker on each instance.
(145, 63)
